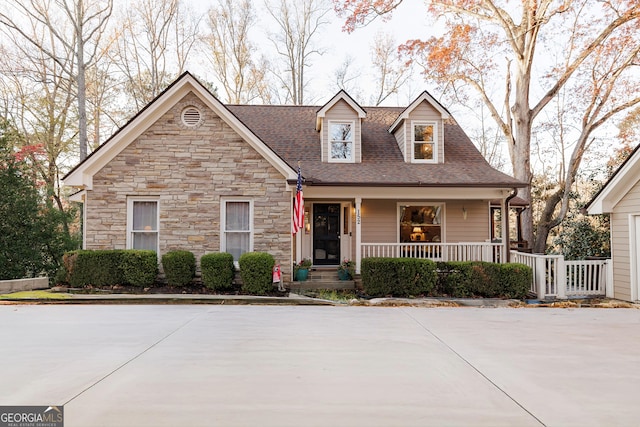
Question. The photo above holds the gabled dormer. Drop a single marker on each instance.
(339, 123)
(419, 130)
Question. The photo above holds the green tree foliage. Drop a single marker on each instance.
(32, 240)
(584, 236)
(580, 235)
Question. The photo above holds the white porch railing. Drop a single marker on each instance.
(475, 251)
(553, 277)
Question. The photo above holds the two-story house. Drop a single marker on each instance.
(188, 172)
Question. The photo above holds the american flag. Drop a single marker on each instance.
(298, 207)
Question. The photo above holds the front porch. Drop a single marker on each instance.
(553, 276)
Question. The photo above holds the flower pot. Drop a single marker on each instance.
(302, 274)
(344, 275)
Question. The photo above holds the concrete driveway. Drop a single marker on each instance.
(203, 365)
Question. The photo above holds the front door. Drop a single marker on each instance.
(326, 234)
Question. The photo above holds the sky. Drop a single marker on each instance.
(407, 23)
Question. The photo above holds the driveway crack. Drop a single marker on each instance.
(467, 362)
(132, 359)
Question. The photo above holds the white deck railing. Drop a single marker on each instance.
(553, 277)
(474, 251)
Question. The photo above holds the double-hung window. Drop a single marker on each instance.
(341, 141)
(142, 223)
(424, 146)
(236, 227)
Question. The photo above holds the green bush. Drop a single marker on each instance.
(401, 277)
(454, 279)
(377, 276)
(483, 279)
(139, 268)
(108, 268)
(179, 267)
(217, 270)
(415, 277)
(98, 268)
(515, 280)
(256, 270)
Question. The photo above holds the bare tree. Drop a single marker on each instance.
(38, 98)
(143, 47)
(347, 77)
(298, 23)
(390, 71)
(186, 35)
(231, 53)
(76, 25)
(479, 34)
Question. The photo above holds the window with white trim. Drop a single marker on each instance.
(341, 141)
(424, 142)
(143, 223)
(420, 223)
(236, 227)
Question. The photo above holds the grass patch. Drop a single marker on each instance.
(28, 295)
(343, 296)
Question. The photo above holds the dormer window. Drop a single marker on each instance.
(341, 141)
(423, 135)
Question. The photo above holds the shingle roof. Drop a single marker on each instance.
(290, 132)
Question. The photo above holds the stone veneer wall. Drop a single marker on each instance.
(190, 169)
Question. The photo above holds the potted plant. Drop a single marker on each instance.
(301, 269)
(346, 270)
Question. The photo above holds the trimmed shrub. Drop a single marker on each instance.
(256, 270)
(515, 280)
(483, 279)
(139, 268)
(99, 268)
(453, 279)
(401, 277)
(415, 277)
(179, 267)
(108, 268)
(217, 270)
(377, 276)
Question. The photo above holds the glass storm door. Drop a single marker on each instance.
(326, 234)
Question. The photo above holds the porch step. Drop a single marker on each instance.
(323, 274)
(323, 278)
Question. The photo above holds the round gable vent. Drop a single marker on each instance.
(191, 116)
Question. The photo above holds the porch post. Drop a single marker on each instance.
(561, 277)
(358, 234)
(540, 276)
(504, 207)
(608, 265)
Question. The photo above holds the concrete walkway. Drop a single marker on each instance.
(216, 365)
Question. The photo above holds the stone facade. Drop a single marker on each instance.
(189, 169)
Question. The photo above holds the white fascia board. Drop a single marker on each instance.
(617, 188)
(78, 197)
(424, 96)
(346, 98)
